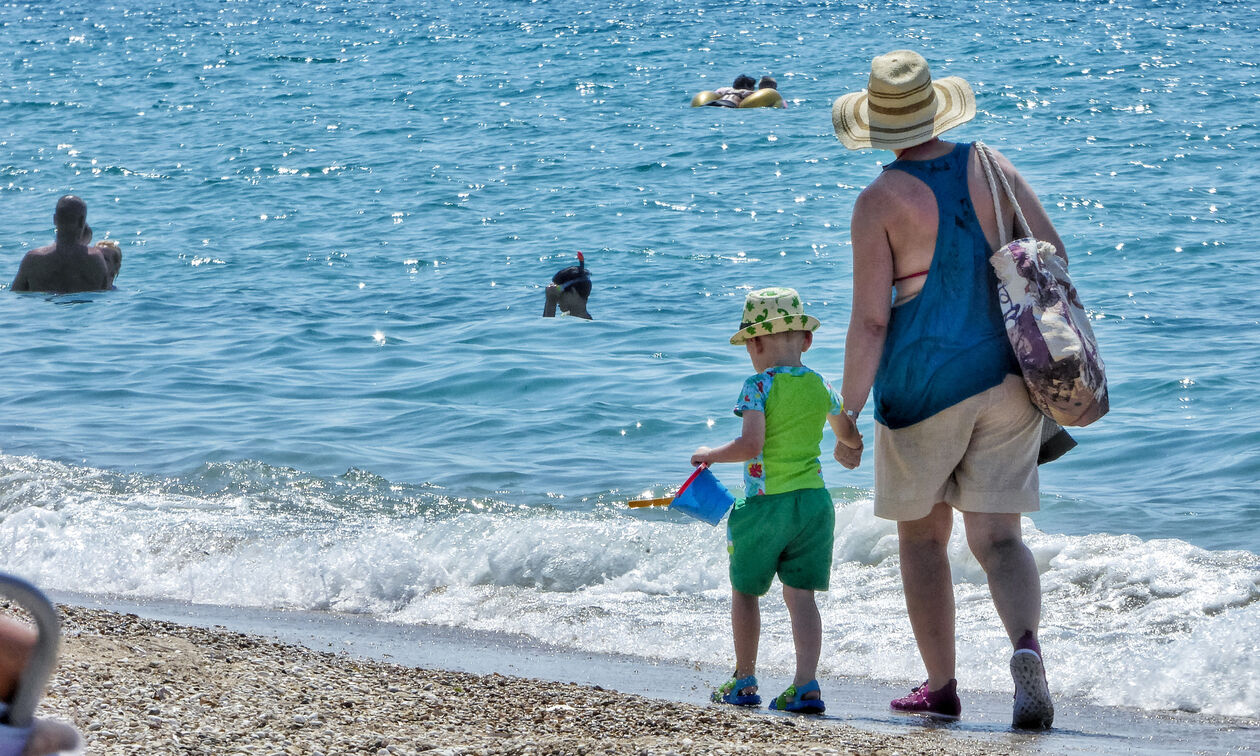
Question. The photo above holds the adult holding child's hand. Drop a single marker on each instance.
(848, 441)
(954, 427)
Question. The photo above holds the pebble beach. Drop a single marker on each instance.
(132, 685)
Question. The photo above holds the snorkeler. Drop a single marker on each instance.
(569, 288)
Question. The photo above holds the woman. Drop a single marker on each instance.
(954, 426)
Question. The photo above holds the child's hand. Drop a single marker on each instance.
(702, 456)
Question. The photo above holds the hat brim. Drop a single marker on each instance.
(850, 117)
(776, 325)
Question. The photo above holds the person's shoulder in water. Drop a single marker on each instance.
(108, 248)
(730, 97)
(68, 265)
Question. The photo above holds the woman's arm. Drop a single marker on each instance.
(872, 297)
(1042, 228)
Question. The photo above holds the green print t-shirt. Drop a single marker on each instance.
(796, 402)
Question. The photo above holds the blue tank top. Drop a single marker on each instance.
(948, 343)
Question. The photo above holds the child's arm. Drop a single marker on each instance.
(848, 440)
(748, 445)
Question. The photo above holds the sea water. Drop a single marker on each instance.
(323, 380)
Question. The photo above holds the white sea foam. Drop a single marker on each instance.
(1154, 624)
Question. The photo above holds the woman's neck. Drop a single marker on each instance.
(932, 148)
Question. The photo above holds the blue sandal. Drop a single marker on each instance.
(791, 700)
(731, 692)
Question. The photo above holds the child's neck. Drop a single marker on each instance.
(786, 358)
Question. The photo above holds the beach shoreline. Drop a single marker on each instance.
(133, 683)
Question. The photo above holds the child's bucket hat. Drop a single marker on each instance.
(774, 310)
(902, 105)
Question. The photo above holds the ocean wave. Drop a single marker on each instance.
(1125, 621)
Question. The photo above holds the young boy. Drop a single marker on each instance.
(785, 524)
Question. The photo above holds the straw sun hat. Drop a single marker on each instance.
(902, 105)
(774, 310)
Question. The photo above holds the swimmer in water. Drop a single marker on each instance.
(768, 82)
(68, 265)
(108, 248)
(569, 289)
(730, 97)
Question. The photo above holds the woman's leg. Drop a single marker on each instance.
(1014, 583)
(929, 589)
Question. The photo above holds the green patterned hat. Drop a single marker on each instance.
(774, 310)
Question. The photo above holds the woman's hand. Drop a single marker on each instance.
(702, 456)
(848, 443)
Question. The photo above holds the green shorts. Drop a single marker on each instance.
(790, 534)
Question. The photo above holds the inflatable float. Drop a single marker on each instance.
(762, 98)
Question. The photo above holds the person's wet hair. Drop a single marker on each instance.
(744, 81)
(767, 83)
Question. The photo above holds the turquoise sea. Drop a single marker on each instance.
(322, 381)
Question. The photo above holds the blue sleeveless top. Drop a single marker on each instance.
(948, 343)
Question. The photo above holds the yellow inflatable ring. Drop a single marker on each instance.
(703, 98)
(763, 98)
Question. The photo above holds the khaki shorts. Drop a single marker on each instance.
(979, 455)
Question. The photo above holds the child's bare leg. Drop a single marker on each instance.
(806, 634)
(746, 627)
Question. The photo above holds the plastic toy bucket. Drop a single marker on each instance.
(703, 497)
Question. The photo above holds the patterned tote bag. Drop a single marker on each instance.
(1045, 321)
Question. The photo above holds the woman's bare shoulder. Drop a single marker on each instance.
(890, 194)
